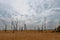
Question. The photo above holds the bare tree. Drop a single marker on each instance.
(16, 24)
(59, 22)
(42, 27)
(25, 28)
(12, 24)
(5, 25)
(21, 28)
(34, 28)
(45, 23)
(39, 29)
(16, 28)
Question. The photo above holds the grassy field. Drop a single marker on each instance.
(29, 35)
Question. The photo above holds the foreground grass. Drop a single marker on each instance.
(29, 35)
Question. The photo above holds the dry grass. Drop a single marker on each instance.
(29, 35)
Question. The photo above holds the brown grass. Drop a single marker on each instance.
(29, 35)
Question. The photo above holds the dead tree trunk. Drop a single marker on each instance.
(5, 27)
(25, 28)
(45, 24)
(42, 27)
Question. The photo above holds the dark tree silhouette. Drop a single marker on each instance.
(58, 29)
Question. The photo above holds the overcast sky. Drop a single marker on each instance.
(31, 11)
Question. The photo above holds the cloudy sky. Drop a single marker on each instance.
(31, 11)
